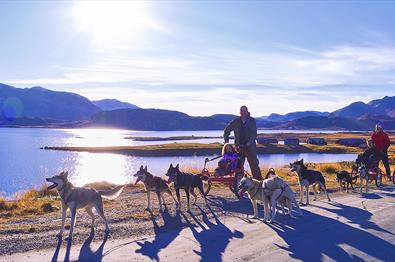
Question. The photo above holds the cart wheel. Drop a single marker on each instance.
(207, 186)
(236, 183)
(379, 179)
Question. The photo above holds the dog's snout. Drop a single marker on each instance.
(47, 179)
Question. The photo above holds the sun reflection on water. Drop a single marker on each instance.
(101, 167)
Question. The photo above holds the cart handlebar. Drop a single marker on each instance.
(208, 160)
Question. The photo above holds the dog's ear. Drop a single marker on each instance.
(178, 166)
(65, 174)
(171, 166)
(145, 169)
(301, 161)
(141, 168)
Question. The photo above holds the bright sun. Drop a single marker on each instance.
(113, 21)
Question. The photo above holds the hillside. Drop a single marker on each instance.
(293, 115)
(383, 108)
(38, 102)
(158, 119)
(113, 104)
(38, 106)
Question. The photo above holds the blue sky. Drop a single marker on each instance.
(203, 57)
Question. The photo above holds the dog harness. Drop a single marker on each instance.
(257, 189)
(282, 191)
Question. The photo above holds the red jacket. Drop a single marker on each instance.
(381, 140)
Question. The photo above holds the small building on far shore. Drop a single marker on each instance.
(291, 141)
(316, 141)
(266, 140)
(354, 142)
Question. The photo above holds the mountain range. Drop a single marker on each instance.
(38, 102)
(113, 104)
(293, 115)
(38, 106)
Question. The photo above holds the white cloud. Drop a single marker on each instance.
(346, 65)
(207, 82)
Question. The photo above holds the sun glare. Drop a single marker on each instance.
(113, 21)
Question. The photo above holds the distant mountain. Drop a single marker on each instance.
(38, 122)
(38, 102)
(38, 106)
(384, 108)
(113, 104)
(322, 122)
(293, 115)
(158, 119)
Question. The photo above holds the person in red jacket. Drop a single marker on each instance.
(382, 143)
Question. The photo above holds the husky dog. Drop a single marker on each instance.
(256, 193)
(270, 173)
(345, 180)
(79, 197)
(270, 192)
(186, 181)
(363, 175)
(308, 178)
(153, 183)
(286, 197)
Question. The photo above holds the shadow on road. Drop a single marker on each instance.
(237, 207)
(86, 252)
(164, 234)
(213, 238)
(355, 215)
(56, 253)
(323, 236)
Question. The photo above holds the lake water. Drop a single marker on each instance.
(23, 165)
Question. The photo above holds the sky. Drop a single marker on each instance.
(203, 57)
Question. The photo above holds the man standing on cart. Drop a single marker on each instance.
(382, 143)
(245, 132)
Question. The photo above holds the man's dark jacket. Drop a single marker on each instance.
(250, 131)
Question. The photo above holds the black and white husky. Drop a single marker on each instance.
(308, 178)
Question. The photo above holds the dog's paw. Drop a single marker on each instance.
(107, 231)
(59, 235)
(254, 217)
(148, 209)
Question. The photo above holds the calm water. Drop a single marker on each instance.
(23, 165)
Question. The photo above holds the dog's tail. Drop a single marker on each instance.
(322, 180)
(113, 193)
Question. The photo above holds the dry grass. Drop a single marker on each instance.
(29, 203)
(39, 201)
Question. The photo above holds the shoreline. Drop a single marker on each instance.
(189, 149)
(206, 149)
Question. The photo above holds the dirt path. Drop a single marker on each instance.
(349, 228)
